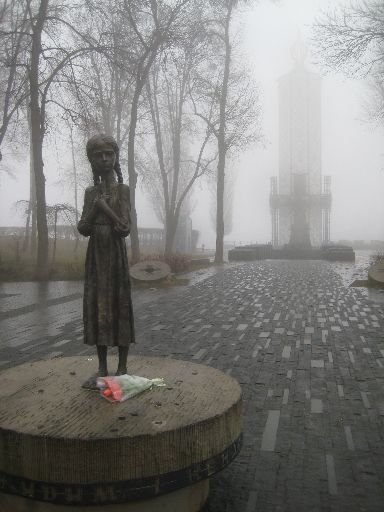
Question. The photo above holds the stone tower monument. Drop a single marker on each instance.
(300, 201)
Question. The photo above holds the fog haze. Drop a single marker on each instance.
(351, 149)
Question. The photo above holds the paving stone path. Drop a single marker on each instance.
(307, 350)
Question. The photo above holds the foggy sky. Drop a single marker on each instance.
(352, 151)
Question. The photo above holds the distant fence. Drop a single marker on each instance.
(63, 232)
(152, 240)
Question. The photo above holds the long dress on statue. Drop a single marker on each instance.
(107, 305)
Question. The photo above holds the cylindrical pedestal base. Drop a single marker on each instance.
(188, 499)
(64, 448)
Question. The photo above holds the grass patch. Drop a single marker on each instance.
(68, 265)
(19, 265)
(376, 258)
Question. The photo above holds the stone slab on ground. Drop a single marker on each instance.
(376, 273)
(150, 270)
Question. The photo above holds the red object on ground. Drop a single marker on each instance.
(114, 391)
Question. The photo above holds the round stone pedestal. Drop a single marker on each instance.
(62, 446)
(376, 274)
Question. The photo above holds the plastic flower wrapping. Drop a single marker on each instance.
(123, 387)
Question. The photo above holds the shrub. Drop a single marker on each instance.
(376, 258)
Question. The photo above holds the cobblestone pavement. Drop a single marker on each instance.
(307, 350)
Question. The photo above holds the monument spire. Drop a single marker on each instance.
(297, 199)
(299, 52)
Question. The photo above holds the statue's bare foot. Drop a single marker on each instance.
(121, 371)
(103, 372)
(91, 383)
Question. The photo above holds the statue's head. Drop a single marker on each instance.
(103, 144)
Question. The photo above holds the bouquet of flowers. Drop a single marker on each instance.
(122, 387)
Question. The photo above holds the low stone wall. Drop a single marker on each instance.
(263, 252)
(250, 252)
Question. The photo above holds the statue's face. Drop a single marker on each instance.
(103, 159)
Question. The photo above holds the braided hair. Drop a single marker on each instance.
(95, 141)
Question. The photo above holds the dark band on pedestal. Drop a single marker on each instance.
(118, 492)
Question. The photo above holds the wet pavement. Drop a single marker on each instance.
(307, 349)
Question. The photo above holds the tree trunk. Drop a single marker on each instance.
(75, 188)
(27, 229)
(170, 232)
(132, 175)
(17, 249)
(32, 189)
(54, 240)
(222, 148)
(33, 245)
(37, 133)
(154, 109)
(219, 254)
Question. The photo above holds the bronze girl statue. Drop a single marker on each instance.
(107, 308)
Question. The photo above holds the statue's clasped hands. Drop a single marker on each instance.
(118, 225)
(100, 202)
(122, 229)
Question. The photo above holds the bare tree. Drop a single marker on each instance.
(14, 22)
(49, 42)
(100, 83)
(230, 178)
(350, 38)
(156, 25)
(140, 29)
(177, 135)
(237, 108)
(98, 89)
(37, 136)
